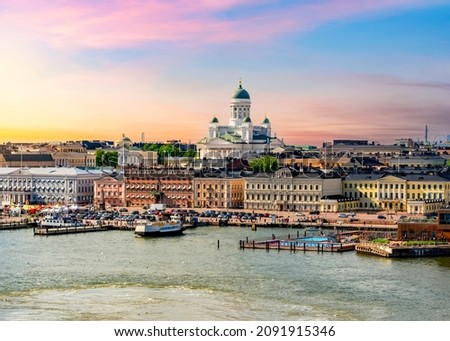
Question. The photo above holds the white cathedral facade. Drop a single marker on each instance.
(240, 138)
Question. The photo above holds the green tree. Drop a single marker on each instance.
(106, 159)
(190, 153)
(264, 164)
(151, 147)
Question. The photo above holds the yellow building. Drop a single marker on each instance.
(219, 192)
(414, 193)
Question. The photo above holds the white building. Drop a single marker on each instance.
(289, 190)
(240, 138)
(47, 185)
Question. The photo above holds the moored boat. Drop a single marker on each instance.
(58, 221)
(160, 228)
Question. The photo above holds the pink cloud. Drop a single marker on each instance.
(125, 23)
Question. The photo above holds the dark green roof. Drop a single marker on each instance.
(214, 120)
(241, 93)
(266, 120)
(247, 119)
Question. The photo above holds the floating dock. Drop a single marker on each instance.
(45, 231)
(16, 224)
(318, 244)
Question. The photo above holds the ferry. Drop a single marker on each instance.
(172, 227)
(58, 221)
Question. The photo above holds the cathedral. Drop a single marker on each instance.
(240, 138)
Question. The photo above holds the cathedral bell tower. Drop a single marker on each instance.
(239, 106)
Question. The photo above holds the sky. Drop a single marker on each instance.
(318, 69)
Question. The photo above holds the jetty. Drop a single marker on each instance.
(296, 243)
(47, 231)
(402, 250)
(16, 224)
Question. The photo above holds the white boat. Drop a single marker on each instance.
(160, 228)
(58, 221)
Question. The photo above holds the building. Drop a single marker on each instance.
(74, 159)
(109, 192)
(144, 187)
(47, 185)
(426, 229)
(288, 189)
(219, 192)
(413, 193)
(26, 160)
(240, 138)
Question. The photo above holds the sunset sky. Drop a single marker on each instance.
(320, 69)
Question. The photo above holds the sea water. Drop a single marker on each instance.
(204, 275)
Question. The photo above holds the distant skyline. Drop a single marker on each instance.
(319, 69)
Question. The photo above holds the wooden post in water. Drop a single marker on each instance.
(218, 243)
(278, 245)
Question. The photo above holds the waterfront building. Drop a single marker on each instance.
(288, 189)
(425, 229)
(240, 138)
(414, 193)
(219, 191)
(144, 187)
(109, 192)
(47, 185)
(338, 203)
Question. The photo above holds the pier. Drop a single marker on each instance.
(400, 250)
(46, 231)
(297, 243)
(16, 224)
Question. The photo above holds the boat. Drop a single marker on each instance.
(52, 221)
(172, 227)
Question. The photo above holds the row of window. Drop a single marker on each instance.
(309, 187)
(413, 196)
(394, 186)
(282, 197)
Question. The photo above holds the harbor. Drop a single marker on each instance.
(312, 243)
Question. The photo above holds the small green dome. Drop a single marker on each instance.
(215, 120)
(266, 121)
(247, 119)
(241, 93)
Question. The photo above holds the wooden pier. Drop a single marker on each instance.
(16, 224)
(295, 244)
(45, 231)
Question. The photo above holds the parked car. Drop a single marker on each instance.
(381, 217)
(342, 215)
(299, 214)
(314, 212)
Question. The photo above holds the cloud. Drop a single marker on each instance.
(127, 23)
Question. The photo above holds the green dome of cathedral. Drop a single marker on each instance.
(215, 120)
(241, 93)
(247, 119)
